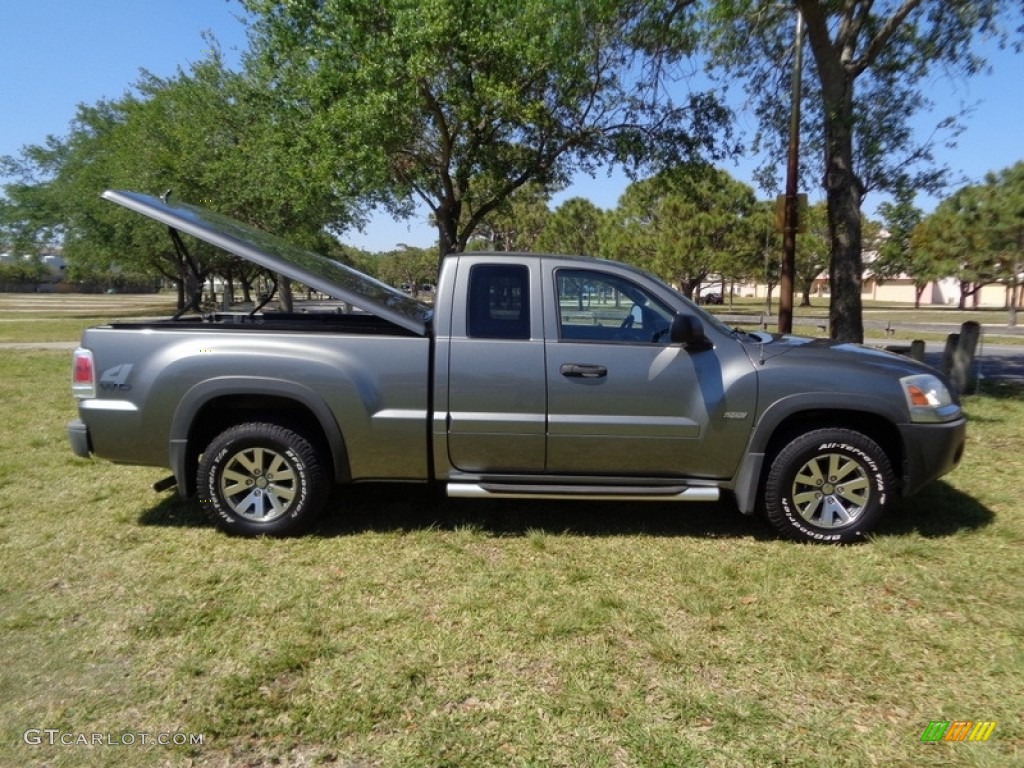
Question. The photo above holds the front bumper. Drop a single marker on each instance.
(931, 451)
(78, 436)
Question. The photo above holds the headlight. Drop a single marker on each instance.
(928, 398)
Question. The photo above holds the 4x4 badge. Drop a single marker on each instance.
(116, 377)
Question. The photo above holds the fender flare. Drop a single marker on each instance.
(193, 401)
(748, 478)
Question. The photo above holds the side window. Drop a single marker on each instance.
(499, 302)
(595, 306)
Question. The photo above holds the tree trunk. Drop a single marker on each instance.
(843, 192)
(1015, 292)
(284, 294)
(447, 216)
(805, 295)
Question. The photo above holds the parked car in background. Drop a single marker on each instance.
(711, 297)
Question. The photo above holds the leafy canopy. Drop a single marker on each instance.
(868, 64)
(457, 103)
(685, 224)
(206, 136)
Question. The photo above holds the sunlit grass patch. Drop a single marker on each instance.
(408, 629)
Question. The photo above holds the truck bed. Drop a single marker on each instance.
(312, 322)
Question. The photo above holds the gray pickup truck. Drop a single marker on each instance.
(531, 376)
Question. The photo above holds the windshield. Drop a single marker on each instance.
(705, 317)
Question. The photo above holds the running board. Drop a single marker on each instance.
(588, 492)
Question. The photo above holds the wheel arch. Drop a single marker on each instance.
(212, 406)
(872, 425)
(795, 416)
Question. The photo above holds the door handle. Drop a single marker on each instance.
(583, 370)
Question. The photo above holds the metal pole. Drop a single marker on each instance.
(792, 173)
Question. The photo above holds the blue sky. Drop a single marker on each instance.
(56, 54)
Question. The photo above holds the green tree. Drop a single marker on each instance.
(812, 251)
(54, 199)
(516, 224)
(458, 103)
(931, 256)
(1003, 221)
(759, 258)
(26, 271)
(899, 218)
(575, 228)
(407, 268)
(683, 224)
(869, 62)
(207, 136)
(928, 258)
(953, 241)
(900, 250)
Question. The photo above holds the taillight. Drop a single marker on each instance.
(83, 374)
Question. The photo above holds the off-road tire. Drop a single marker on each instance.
(262, 479)
(828, 486)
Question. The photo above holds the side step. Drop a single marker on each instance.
(588, 492)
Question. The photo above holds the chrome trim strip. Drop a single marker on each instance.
(589, 493)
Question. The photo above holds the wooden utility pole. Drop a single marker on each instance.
(790, 222)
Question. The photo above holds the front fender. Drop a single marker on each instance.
(813, 410)
(844, 406)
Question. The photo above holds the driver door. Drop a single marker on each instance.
(621, 400)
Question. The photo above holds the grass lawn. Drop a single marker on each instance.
(408, 630)
(62, 317)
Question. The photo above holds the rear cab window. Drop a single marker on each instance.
(499, 302)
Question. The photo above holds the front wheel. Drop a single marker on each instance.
(829, 485)
(261, 479)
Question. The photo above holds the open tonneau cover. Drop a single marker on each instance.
(271, 252)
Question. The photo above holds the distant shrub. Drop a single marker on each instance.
(22, 275)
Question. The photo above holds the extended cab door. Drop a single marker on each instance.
(495, 358)
(621, 399)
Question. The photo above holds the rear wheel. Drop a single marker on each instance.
(261, 479)
(830, 485)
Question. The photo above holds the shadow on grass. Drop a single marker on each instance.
(938, 509)
(390, 507)
(174, 512)
(1002, 389)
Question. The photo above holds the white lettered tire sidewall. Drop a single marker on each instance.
(799, 486)
(245, 453)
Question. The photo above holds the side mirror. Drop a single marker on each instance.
(688, 331)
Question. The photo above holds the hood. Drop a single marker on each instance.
(811, 351)
(277, 255)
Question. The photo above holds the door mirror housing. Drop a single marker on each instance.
(688, 331)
